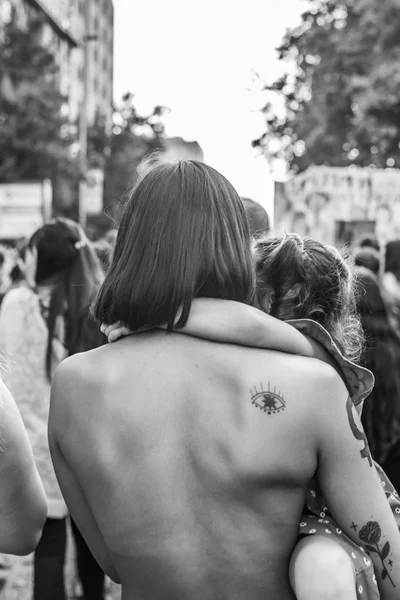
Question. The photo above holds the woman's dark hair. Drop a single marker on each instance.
(367, 257)
(183, 234)
(302, 278)
(67, 260)
(381, 412)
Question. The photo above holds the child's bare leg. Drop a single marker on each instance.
(320, 569)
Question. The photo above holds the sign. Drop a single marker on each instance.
(23, 208)
(321, 197)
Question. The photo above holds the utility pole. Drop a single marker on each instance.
(83, 118)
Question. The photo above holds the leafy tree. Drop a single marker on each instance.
(35, 138)
(342, 96)
(120, 151)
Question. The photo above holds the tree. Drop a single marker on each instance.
(342, 98)
(133, 136)
(35, 137)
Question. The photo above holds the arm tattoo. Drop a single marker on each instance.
(270, 402)
(370, 536)
(359, 434)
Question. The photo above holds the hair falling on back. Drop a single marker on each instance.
(183, 234)
(67, 261)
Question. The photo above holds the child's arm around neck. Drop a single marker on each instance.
(231, 322)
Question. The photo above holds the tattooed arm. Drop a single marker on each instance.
(352, 488)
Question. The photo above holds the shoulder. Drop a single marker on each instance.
(316, 383)
(320, 376)
(82, 373)
(328, 395)
(76, 387)
(78, 369)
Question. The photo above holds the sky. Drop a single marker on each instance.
(197, 58)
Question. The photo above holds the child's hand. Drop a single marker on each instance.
(115, 331)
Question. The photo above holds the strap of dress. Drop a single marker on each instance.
(360, 381)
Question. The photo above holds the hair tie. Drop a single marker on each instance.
(80, 244)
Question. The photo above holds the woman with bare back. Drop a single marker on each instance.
(184, 483)
(299, 279)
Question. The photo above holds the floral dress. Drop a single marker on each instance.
(316, 519)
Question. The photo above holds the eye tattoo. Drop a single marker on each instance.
(358, 433)
(268, 401)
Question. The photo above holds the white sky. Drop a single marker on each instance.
(196, 58)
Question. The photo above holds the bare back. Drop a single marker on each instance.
(191, 459)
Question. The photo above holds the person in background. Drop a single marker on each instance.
(391, 277)
(23, 506)
(41, 323)
(368, 257)
(258, 217)
(103, 250)
(381, 414)
(368, 240)
(111, 236)
(105, 247)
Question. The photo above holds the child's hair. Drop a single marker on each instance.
(367, 257)
(183, 234)
(302, 278)
(381, 414)
(66, 259)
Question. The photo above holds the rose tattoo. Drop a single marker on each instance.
(370, 535)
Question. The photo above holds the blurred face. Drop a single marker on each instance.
(31, 265)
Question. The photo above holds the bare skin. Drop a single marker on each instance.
(187, 478)
(23, 507)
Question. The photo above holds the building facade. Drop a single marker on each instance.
(336, 205)
(81, 36)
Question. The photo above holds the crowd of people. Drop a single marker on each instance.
(239, 435)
